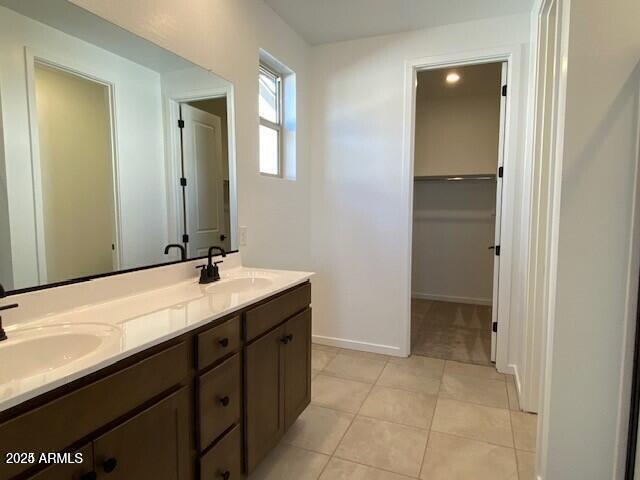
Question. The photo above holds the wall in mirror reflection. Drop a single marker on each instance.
(110, 149)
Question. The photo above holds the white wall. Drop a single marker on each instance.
(453, 226)
(358, 230)
(586, 400)
(139, 140)
(225, 36)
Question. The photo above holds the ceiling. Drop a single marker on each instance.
(326, 21)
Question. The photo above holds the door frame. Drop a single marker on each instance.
(511, 55)
(174, 158)
(31, 59)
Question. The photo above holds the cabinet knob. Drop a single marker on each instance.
(290, 337)
(109, 465)
(89, 476)
(285, 339)
(226, 475)
(224, 342)
(224, 401)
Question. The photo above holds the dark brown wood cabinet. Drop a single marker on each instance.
(264, 400)
(278, 384)
(297, 366)
(209, 404)
(153, 444)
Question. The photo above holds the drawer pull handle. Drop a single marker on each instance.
(109, 465)
(287, 338)
(224, 342)
(224, 401)
(89, 476)
(226, 475)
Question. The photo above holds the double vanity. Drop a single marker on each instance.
(181, 382)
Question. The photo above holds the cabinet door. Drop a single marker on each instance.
(70, 471)
(153, 444)
(297, 366)
(264, 400)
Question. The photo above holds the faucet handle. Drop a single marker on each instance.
(7, 307)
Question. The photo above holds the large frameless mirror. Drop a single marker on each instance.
(114, 153)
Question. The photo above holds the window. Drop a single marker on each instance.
(270, 111)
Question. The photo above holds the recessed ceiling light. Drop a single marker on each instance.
(453, 77)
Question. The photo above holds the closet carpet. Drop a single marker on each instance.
(451, 331)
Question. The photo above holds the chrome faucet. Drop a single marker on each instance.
(183, 252)
(3, 335)
(209, 272)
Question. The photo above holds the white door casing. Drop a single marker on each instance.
(204, 207)
(498, 219)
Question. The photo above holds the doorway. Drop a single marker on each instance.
(204, 175)
(457, 203)
(76, 218)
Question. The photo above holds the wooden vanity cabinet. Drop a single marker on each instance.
(278, 384)
(209, 404)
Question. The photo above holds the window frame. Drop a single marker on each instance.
(278, 126)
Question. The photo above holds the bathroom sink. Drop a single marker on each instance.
(37, 351)
(244, 284)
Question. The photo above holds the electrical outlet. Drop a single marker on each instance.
(243, 236)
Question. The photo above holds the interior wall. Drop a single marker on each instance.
(358, 231)
(74, 126)
(138, 119)
(226, 37)
(457, 133)
(453, 226)
(6, 265)
(589, 358)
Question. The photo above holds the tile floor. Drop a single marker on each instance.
(451, 331)
(374, 417)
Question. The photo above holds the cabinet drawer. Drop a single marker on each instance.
(218, 342)
(57, 424)
(219, 400)
(224, 460)
(260, 319)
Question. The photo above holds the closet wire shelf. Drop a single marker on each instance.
(455, 178)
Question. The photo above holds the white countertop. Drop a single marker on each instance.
(101, 334)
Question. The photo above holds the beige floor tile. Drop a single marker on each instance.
(384, 445)
(524, 430)
(355, 368)
(478, 422)
(455, 458)
(476, 371)
(409, 378)
(434, 366)
(368, 355)
(492, 393)
(286, 462)
(318, 429)
(338, 393)
(400, 406)
(326, 348)
(320, 358)
(526, 465)
(512, 392)
(338, 469)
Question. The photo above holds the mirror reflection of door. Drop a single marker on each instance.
(204, 170)
(77, 225)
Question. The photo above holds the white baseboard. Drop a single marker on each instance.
(451, 298)
(356, 345)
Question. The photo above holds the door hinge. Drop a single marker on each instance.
(504, 90)
(185, 238)
(500, 172)
(183, 182)
(497, 250)
(494, 327)
(180, 123)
